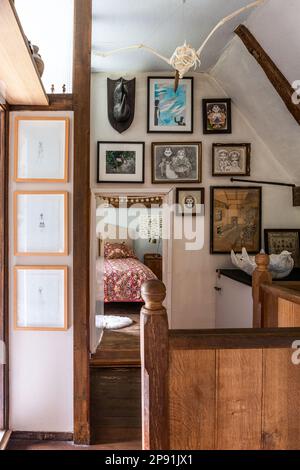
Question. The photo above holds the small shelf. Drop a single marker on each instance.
(20, 83)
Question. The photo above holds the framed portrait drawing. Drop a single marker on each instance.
(176, 162)
(41, 149)
(278, 240)
(231, 159)
(40, 223)
(169, 110)
(121, 162)
(41, 298)
(236, 214)
(217, 116)
(190, 201)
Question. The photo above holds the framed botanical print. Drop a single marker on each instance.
(190, 201)
(236, 214)
(176, 162)
(41, 149)
(170, 111)
(121, 162)
(41, 298)
(231, 159)
(278, 240)
(41, 223)
(217, 116)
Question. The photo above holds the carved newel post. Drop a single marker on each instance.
(154, 357)
(260, 276)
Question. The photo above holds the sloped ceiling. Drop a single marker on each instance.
(163, 25)
(275, 27)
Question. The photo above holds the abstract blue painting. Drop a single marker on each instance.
(170, 110)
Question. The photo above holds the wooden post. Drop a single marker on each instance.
(155, 358)
(260, 276)
(81, 211)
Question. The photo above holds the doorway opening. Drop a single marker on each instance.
(129, 250)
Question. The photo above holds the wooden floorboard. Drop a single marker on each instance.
(120, 347)
(54, 445)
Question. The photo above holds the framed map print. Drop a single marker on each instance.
(170, 111)
(41, 298)
(41, 149)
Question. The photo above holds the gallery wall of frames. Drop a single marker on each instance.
(191, 141)
(40, 201)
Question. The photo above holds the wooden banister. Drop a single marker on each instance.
(154, 358)
(260, 276)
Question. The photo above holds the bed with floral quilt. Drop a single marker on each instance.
(124, 274)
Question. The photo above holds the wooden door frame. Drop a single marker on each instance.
(4, 162)
(81, 223)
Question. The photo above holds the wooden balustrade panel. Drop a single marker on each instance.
(239, 393)
(192, 394)
(288, 314)
(233, 399)
(281, 407)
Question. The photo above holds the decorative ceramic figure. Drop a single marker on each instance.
(280, 265)
(38, 59)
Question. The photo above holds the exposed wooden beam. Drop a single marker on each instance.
(276, 77)
(57, 102)
(81, 234)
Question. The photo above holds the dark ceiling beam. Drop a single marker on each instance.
(276, 77)
(57, 102)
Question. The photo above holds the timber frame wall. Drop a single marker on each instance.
(79, 102)
(4, 152)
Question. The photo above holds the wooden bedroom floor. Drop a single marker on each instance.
(116, 383)
(120, 347)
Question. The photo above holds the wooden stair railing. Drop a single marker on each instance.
(154, 357)
(275, 304)
(217, 389)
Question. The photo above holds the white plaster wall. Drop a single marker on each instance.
(276, 26)
(41, 363)
(193, 294)
(244, 80)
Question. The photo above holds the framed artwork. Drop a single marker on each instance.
(217, 116)
(278, 240)
(190, 201)
(231, 159)
(41, 298)
(176, 162)
(169, 110)
(40, 223)
(41, 149)
(121, 162)
(236, 214)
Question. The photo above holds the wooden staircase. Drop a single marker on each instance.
(115, 372)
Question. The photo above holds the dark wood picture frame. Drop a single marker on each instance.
(212, 210)
(248, 160)
(149, 131)
(116, 143)
(281, 230)
(176, 144)
(191, 188)
(226, 101)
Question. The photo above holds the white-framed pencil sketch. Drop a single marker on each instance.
(41, 223)
(41, 149)
(41, 298)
